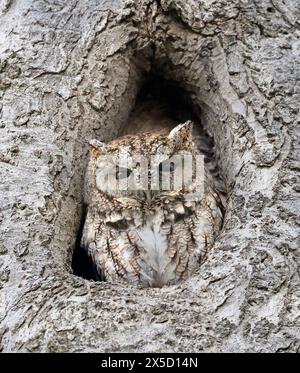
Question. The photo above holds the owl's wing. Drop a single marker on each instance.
(205, 225)
(113, 255)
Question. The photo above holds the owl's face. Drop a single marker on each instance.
(144, 166)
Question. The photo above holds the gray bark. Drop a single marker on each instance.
(69, 72)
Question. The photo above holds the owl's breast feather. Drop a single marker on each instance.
(155, 263)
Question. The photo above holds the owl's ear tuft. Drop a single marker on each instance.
(182, 132)
(96, 144)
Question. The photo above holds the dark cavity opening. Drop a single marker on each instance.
(160, 104)
(82, 265)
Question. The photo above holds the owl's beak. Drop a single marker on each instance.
(148, 195)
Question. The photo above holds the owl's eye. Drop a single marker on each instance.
(166, 166)
(122, 172)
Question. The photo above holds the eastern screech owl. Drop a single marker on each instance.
(148, 237)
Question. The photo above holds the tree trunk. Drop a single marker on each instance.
(70, 71)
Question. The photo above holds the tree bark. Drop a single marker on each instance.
(70, 71)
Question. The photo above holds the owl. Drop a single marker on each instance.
(143, 224)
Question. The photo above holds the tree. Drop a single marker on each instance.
(70, 71)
